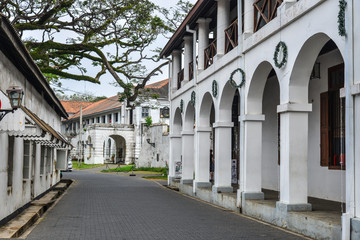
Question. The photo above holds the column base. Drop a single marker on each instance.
(171, 180)
(186, 181)
(202, 185)
(297, 207)
(355, 228)
(252, 195)
(217, 189)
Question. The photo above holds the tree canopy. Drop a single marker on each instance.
(114, 36)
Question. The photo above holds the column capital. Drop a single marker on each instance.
(252, 117)
(188, 38)
(355, 89)
(174, 135)
(294, 107)
(204, 20)
(176, 51)
(223, 125)
(203, 129)
(189, 133)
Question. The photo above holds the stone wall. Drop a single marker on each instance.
(154, 156)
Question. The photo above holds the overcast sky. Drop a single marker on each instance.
(105, 88)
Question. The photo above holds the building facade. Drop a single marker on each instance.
(111, 132)
(268, 90)
(32, 151)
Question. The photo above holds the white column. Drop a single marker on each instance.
(18, 168)
(294, 157)
(37, 184)
(175, 155)
(248, 16)
(187, 157)
(106, 118)
(251, 167)
(223, 21)
(223, 157)
(188, 57)
(356, 156)
(119, 117)
(202, 158)
(203, 40)
(123, 113)
(176, 64)
(4, 149)
(113, 118)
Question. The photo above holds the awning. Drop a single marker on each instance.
(27, 125)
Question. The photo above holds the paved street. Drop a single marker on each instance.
(109, 206)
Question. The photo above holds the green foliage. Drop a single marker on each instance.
(341, 18)
(113, 36)
(148, 121)
(85, 166)
(85, 97)
(128, 168)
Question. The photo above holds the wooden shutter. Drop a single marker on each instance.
(324, 129)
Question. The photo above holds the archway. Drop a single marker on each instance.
(175, 163)
(114, 149)
(204, 168)
(187, 136)
(261, 156)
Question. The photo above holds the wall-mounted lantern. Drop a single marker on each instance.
(15, 95)
(148, 141)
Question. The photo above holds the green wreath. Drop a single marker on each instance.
(192, 101)
(181, 105)
(341, 18)
(232, 81)
(282, 45)
(214, 88)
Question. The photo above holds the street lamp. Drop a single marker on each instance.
(15, 95)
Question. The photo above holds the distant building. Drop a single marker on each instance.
(112, 132)
(32, 150)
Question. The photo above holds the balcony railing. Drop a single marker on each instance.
(231, 36)
(180, 78)
(210, 52)
(264, 12)
(191, 68)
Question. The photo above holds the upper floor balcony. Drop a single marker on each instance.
(214, 27)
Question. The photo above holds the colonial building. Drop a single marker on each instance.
(112, 132)
(269, 90)
(32, 151)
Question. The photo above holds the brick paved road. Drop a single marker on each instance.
(109, 206)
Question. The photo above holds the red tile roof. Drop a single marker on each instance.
(72, 107)
(100, 106)
(158, 84)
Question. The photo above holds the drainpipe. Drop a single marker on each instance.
(240, 202)
(194, 52)
(349, 121)
(195, 84)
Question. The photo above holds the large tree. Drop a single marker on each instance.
(64, 36)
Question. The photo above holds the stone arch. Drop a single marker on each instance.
(177, 122)
(303, 66)
(226, 99)
(189, 118)
(120, 148)
(205, 110)
(256, 88)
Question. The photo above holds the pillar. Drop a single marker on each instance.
(37, 184)
(223, 21)
(294, 157)
(175, 155)
(18, 160)
(188, 57)
(222, 157)
(356, 166)
(248, 16)
(187, 156)
(176, 64)
(251, 167)
(202, 158)
(203, 40)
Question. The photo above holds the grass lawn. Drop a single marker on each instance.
(156, 177)
(142, 170)
(84, 166)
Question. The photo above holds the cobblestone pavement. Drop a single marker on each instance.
(111, 206)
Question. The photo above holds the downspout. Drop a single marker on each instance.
(349, 123)
(194, 84)
(240, 202)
